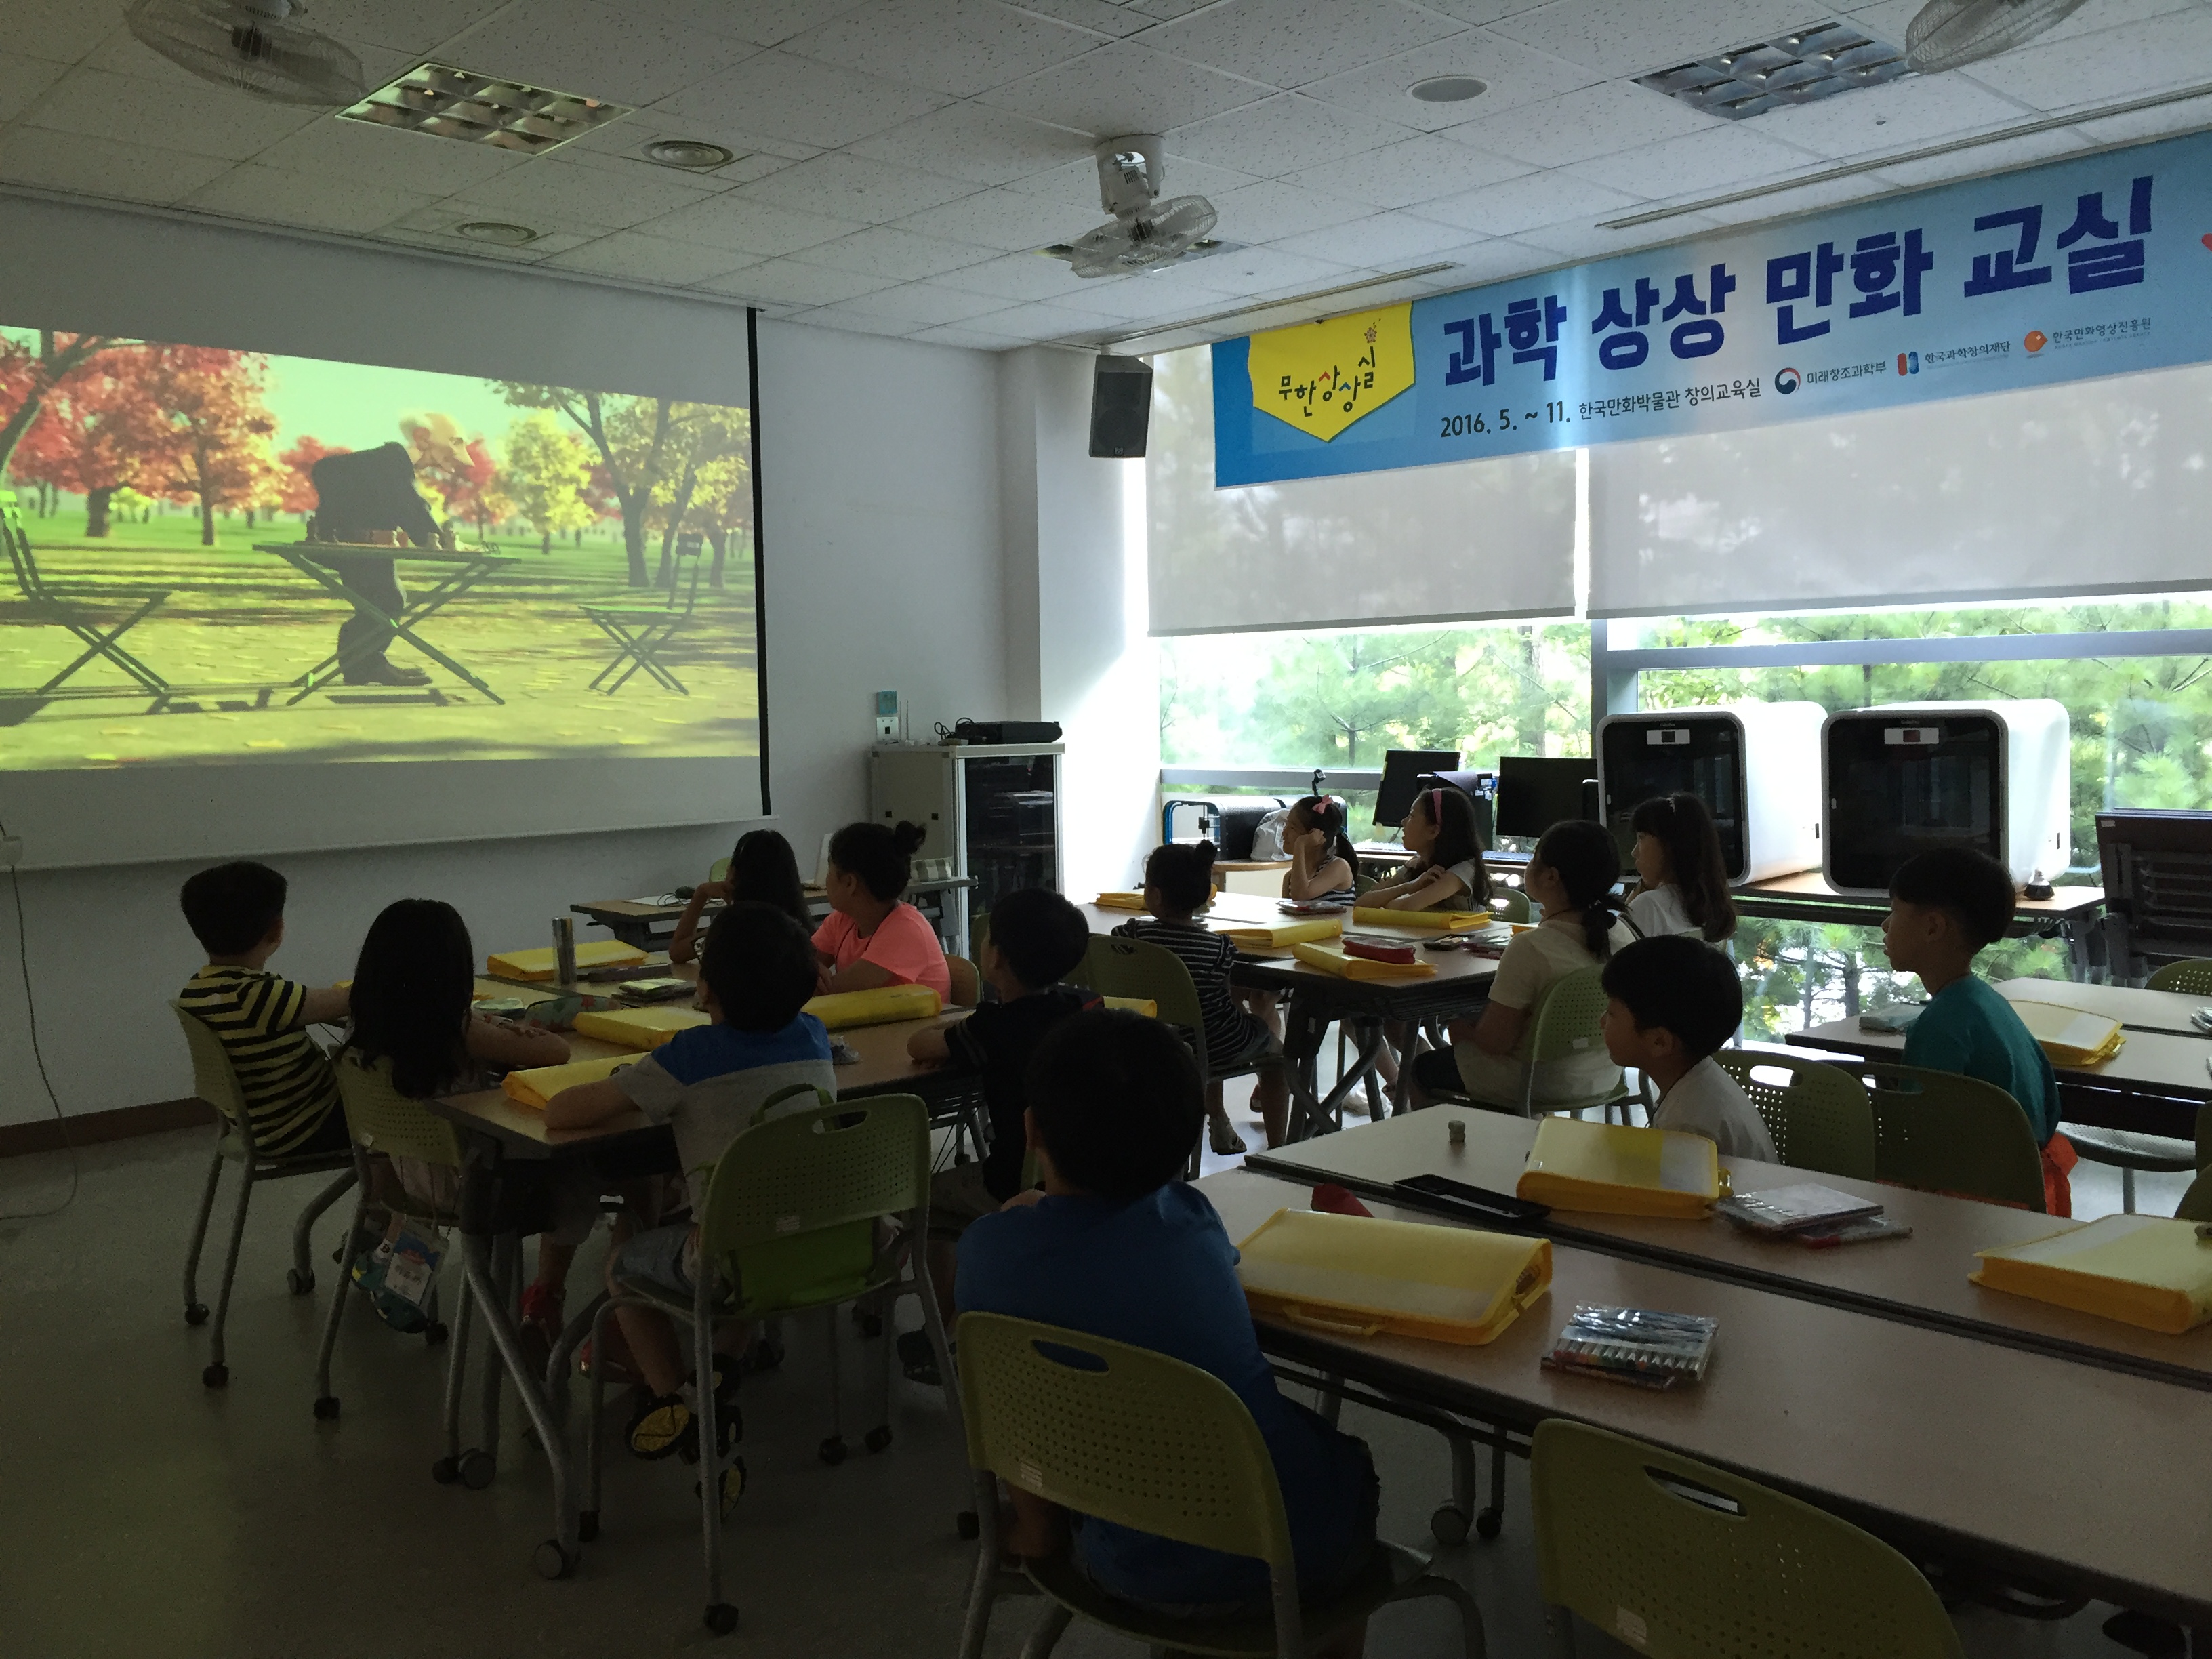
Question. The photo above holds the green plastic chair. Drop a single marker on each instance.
(1564, 1025)
(1943, 1132)
(2196, 1203)
(215, 1082)
(1131, 1437)
(1508, 904)
(790, 1225)
(2192, 978)
(384, 1122)
(1819, 1119)
(1115, 967)
(1681, 1560)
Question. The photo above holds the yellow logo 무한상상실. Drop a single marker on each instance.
(1322, 377)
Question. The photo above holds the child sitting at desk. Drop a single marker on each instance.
(1571, 874)
(1671, 1003)
(1682, 875)
(1447, 870)
(236, 911)
(706, 1084)
(1324, 865)
(873, 937)
(414, 989)
(1117, 1247)
(1178, 883)
(1945, 907)
(763, 869)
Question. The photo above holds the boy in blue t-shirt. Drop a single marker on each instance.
(708, 1084)
(1945, 907)
(1116, 1246)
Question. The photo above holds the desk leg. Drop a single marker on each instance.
(491, 1288)
(1321, 1116)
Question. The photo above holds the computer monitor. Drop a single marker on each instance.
(1402, 771)
(1535, 792)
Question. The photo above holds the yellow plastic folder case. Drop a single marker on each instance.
(541, 1083)
(2067, 1036)
(1121, 902)
(1365, 1277)
(640, 1028)
(877, 1006)
(1444, 922)
(1144, 1006)
(538, 963)
(2143, 1270)
(1615, 1170)
(1265, 937)
(1331, 959)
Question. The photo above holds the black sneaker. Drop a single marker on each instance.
(918, 1359)
(663, 1426)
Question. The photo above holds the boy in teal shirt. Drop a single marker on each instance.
(1946, 907)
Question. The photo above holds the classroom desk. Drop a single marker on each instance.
(2072, 913)
(1460, 986)
(2136, 1009)
(1920, 1280)
(2046, 1473)
(649, 924)
(2154, 1085)
(330, 564)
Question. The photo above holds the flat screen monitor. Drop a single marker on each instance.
(1535, 792)
(1402, 771)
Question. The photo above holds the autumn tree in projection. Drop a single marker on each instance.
(635, 439)
(30, 372)
(547, 475)
(102, 433)
(297, 473)
(212, 400)
(460, 470)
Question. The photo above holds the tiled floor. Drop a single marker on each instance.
(140, 1514)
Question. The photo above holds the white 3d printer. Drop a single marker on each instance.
(1755, 765)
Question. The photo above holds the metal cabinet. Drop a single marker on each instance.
(994, 810)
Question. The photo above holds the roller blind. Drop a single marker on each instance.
(1473, 539)
(2096, 487)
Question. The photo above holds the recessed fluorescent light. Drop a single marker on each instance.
(495, 230)
(695, 154)
(453, 103)
(1799, 68)
(1447, 88)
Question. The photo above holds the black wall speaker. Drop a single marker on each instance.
(1121, 406)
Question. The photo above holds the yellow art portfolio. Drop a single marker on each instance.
(877, 1006)
(1331, 959)
(2144, 1270)
(1616, 1170)
(640, 1028)
(2070, 1036)
(1264, 937)
(538, 963)
(541, 1083)
(1446, 922)
(1364, 1276)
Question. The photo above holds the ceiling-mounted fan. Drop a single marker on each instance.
(250, 45)
(1947, 33)
(1144, 230)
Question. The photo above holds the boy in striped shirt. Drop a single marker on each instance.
(237, 912)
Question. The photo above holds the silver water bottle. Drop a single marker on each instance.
(564, 949)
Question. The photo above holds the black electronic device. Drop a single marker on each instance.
(1482, 788)
(1535, 792)
(1402, 772)
(2158, 885)
(1121, 407)
(1442, 1193)
(995, 732)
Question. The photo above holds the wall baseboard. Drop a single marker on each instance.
(51, 1135)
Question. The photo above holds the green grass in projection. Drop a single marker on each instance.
(141, 470)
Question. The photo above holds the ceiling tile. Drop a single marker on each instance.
(1147, 299)
(1413, 170)
(1492, 261)
(1726, 158)
(957, 47)
(1017, 277)
(633, 132)
(553, 189)
(729, 221)
(1631, 37)
(407, 26)
(1045, 322)
(1287, 43)
(1111, 21)
(626, 163)
(1272, 209)
(1781, 204)
(440, 221)
(924, 305)
(1006, 220)
(594, 50)
(1482, 11)
(532, 253)
(125, 54)
(1984, 159)
(973, 142)
(853, 187)
(1600, 120)
(1578, 240)
(1076, 183)
(21, 80)
(763, 22)
(1381, 243)
(809, 102)
(901, 255)
(61, 33)
(2113, 63)
(651, 259)
(253, 192)
(1903, 114)
(1124, 88)
(858, 322)
(786, 281)
(374, 155)
(102, 168)
(1283, 135)
(1519, 204)
(2161, 123)
(1513, 74)
(200, 119)
(1265, 269)
(960, 334)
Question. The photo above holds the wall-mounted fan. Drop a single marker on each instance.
(1144, 230)
(1947, 33)
(250, 45)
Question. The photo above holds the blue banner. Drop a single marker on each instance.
(2069, 272)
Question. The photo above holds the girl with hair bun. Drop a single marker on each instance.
(872, 937)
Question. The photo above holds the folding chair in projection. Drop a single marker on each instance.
(641, 629)
(789, 1227)
(216, 1082)
(1131, 1437)
(88, 610)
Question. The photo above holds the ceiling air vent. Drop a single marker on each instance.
(452, 103)
(1813, 63)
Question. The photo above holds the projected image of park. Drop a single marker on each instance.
(221, 555)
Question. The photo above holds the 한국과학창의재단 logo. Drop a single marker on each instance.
(1321, 377)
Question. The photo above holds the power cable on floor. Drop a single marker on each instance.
(38, 1054)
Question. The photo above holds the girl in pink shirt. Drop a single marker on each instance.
(871, 938)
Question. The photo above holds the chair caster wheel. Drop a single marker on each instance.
(478, 1469)
(326, 1409)
(832, 1450)
(446, 1471)
(434, 1333)
(870, 1324)
(1487, 1524)
(196, 1313)
(967, 1525)
(215, 1377)
(1448, 1526)
(878, 1437)
(721, 1618)
(300, 1283)
(553, 1559)
(588, 1527)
